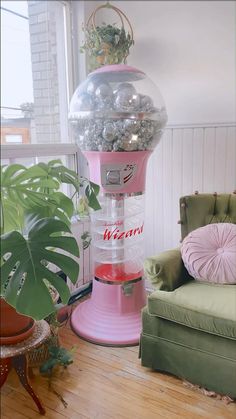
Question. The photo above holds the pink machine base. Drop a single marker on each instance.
(112, 316)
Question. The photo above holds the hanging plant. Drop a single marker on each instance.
(107, 44)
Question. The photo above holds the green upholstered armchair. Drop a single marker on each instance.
(189, 327)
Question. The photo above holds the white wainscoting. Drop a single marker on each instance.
(188, 158)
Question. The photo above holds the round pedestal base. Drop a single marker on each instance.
(112, 316)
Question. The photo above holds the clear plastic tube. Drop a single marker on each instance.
(117, 237)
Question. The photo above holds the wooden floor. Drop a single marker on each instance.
(109, 383)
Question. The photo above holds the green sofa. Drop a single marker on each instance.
(189, 327)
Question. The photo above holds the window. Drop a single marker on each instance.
(34, 70)
(13, 138)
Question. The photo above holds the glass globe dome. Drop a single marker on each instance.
(117, 108)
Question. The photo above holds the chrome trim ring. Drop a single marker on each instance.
(132, 281)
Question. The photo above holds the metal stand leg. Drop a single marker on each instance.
(5, 368)
(31, 373)
(20, 365)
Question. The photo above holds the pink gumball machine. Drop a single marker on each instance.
(118, 116)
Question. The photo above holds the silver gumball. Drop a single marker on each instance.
(98, 128)
(99, 140)
(129, 143)
(94, 147)
(84, 103)
(120, 126)
(118, 145)
(88, 134)
(105, 147)
(146, 103)
(126, 98)
(149, 130)
(129, 146)
(103, 94)
(131, 125)
(142, 132)
(91, 87)
(126, 134)
(141, 146)
(109, 132)
(126, 86)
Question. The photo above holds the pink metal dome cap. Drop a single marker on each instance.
(119, 68)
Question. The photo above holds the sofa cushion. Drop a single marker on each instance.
(209, 253)
(202, 306)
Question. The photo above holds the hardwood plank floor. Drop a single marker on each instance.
(109, 383)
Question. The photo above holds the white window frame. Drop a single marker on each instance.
(12, 152)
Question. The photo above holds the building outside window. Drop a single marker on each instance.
(35, 71)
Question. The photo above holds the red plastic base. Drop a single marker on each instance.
(116, 273)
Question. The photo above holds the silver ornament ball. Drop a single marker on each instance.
(109, 131)
(146, 103)
(84, 103)
(120, 126)
(104, 93)
(125, 101)
(127, 87)
(131, 125)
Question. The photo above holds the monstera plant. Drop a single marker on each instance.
(36, 235)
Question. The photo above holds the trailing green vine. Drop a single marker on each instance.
(106, 44)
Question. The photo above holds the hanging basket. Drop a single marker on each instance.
(107, 44)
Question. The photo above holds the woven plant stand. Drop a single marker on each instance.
(38, 356)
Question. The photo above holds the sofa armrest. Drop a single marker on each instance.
(166, 271)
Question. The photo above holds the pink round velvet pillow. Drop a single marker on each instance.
(209, 253)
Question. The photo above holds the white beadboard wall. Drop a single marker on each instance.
(188, 158)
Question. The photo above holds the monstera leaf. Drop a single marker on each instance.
(60, 207)
(91, 192)
(33, 192)
(55, 170)
(24, 263)
(20, 190)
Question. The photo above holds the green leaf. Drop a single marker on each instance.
(92, 199)
(58, 206)
(8, 171)
(48, 365)
(12, 216)
(94, 187)
(19, 190)
(26, 290)
(56, 171)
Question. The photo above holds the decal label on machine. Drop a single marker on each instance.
(115, 176)
(116, 234)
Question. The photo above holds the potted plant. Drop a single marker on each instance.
(107, 44)
(36, 236)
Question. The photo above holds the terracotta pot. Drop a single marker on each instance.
(14, 327)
